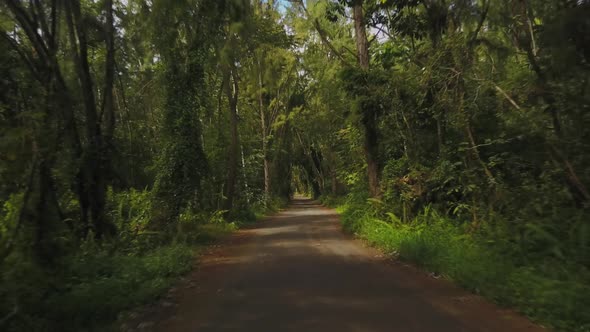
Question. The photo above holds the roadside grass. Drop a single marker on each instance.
(100, 287)
(92, 288)
(89, 290)
(549, 291)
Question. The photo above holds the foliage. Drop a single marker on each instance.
(91, 289)
(94, 284)
(134, 129)
(548, 290)
(113, 147)
(479, 139)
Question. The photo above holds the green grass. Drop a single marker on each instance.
(549, 291)
(90, 289)
(87, 292)
(101, 287)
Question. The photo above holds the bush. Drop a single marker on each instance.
(97, 287)
(87, 289)
(90, 289)
(332, 201)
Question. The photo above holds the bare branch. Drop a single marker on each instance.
(499, 89)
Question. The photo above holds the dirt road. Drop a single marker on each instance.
(297, 271)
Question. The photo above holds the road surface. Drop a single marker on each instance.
(297, 271)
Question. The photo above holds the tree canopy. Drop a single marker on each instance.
(128, 125)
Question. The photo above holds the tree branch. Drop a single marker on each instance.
(29, 26)
(499, 89)
(26, 59)
(323, 34)
(481, 21)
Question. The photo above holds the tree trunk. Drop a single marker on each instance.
(245, 178)
(108, 109)
(266, 162)
(371, 153)
(231, 91)
(362, 44)
(314, 170)
(369, 121)
(92, 173)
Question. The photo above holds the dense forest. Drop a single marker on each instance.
(454, 134)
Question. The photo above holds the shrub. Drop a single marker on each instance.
(88, 288)
(545, 288)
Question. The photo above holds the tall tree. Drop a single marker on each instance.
(368, 116)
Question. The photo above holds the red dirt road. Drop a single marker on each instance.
(297, 271)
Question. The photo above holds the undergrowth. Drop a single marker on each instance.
(549, 290)
(89, 289)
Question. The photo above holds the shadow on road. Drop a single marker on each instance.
(296, 271)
